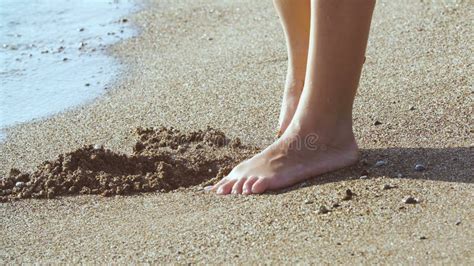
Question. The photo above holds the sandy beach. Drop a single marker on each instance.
(200, 63)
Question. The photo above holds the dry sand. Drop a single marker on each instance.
(222, 63)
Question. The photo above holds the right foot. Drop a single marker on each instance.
(291, 98)
(294, 157)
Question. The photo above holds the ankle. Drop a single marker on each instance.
(295, 77)
(329, 132)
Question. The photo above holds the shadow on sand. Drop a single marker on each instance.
(442, 164)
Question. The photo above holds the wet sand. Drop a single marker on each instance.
(222, 64)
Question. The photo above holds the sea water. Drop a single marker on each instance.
(53, 54)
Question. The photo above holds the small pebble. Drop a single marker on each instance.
(81, 29)
(65, 59)
(98, 147)
(124, 20)
(410, 200)
(377, 122)
(412, 108)
(20, 184)
(380, 163)
(363, 177)
(323, 210)
(420, 168)
(458, 222)
(423, 237)
(388, 186)
(336, 205)
(87, 84)
(308, 201)
(348, 195)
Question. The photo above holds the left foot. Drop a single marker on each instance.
(294, 157)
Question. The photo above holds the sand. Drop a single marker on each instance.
(222, 64)
(163, 159)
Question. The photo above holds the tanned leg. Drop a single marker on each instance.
(295, 16)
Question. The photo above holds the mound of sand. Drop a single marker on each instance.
(163, 159)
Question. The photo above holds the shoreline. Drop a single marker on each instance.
(62, 68)
(222, 64)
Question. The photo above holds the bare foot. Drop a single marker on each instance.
(294, 157)
(291, 97)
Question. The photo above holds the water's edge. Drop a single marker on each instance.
(58, 61)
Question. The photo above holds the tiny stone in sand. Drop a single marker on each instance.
(388, 186)
(348, 195)
(380, 163)
(420, 168)
(308, 201)
(410, 200)
(323, 210)
(98, 147)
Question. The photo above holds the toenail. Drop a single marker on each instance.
(220, 190)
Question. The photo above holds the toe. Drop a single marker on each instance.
(247, 188)
(237, 188)
(218, 184)
(225, 188)
(260, 186)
